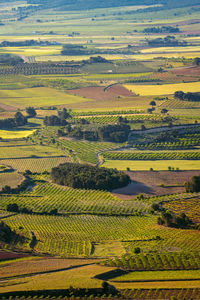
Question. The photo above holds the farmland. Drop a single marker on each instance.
(95, 84)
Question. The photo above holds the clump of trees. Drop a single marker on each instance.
(18, 120)
(7, 235)
(11, 60)
(31, 112)
(162, 29)
(89, 177)
(187, 96)
(109, 133)
(59, 120)
(193, 186)
(168, 41)
(171, 220)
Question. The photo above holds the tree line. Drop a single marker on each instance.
(88, 177)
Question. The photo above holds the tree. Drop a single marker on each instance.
(31, 112)
(197, 61)
(20, 120)
(152, 103)
(164, 111)
(13, 207)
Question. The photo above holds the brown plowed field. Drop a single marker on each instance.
(147, 182)
(98, 93)
(6, 255)
(191, 71)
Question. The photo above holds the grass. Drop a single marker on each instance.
(11, 179)
(156, 165)
(164, 89)
(159, 275)
(26, 150)
(82, 277)
(41, 96)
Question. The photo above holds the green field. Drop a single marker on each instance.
(162, 275)
(38, 97)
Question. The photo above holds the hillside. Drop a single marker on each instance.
(80, 4)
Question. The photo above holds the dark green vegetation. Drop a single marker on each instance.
(88, 177)
(193, 185)
(7, 236)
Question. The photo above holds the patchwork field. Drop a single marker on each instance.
(106, 101)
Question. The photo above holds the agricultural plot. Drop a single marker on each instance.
(114, 119)
(190, 207)
(156, 261)
(47, 196)
(190, 155)
(41, 96)
(37, 165)
(13, 179)
(163, 89)
(162, 165)
(15, 134)
(86, 151)
(73, 235)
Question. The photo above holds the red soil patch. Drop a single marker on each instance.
(6, 255)
(7, 107)
(99, 93)
(148, 183)
(190, 71)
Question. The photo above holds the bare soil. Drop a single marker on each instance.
(148, 183)
(7, 255)
(98, 93)
(189, 71)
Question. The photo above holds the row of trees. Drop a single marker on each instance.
(89, 177)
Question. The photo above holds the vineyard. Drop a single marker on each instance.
(191, 207)
(54, 233)
(157, 261)
(48, 196)
(151, 155)
(114, 119)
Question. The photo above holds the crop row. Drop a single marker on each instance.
(181, 144)
(114, 119)
(149, 294)
(35, 164)
(100, 113)
(151, 155)
(157, 261)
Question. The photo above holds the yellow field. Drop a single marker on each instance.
(15, 134)
(164, 89)
(171, 49)
(33, 51)
(38, 97)
(159, 165)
